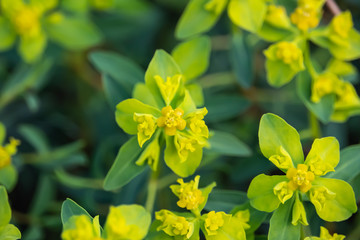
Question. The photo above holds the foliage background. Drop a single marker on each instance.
(65, 117)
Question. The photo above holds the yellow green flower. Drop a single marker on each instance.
(325, 235)
(277, 16)
(81, 228)
(214, 221)
(333, 199)
(305, 17)
(168, 113)
(174, 225)
(7, 151)
(216, 6)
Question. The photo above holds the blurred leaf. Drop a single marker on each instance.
(70, 208)
(323, 109)
(193, 56)
(7, 34)
(8, 177)
(196, 19)
(124, 71)
(228, 145)
(75, 33)
(124, 168)
(349, 165)
(35, 137)
(2, 134)
(76, 181)
(44, 194)
(225, 200)
(114, 91)
(5, 210)
(241, 57)
(26, 77)
(281, 227)
(224, 106)
(32, 233)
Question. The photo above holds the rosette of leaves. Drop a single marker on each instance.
(35, 22)
(333, 199)
(7, 231)
(8, 172)
(187, 225)
(130, 222)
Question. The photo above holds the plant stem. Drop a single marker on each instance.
(333, 7)
(152, 189)
(314, 125)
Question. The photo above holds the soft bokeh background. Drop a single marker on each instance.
(65, 118)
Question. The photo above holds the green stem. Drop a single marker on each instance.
(307, 61)
(314, 126)
(152, 189)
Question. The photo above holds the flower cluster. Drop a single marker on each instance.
(123, 222)
(7, 151)
(333, 199)
(161, 110)
(34, 22)
(325, 235)
(214, 225)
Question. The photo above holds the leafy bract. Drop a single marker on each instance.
(275, 133)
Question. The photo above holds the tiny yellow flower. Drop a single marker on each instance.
(319, 196)
(174, 225)
(305, 18)
(214, 221)
(299, 213)
(26, 21)
(171, 120)
(146, 127)
(84, 230)
(190, 197)
(324, 84)
(282, 160)
(314, 4)
(325, 235)
(342, 24)
(215, 6)
(197, 124)
(7, 151)
(169, 87)
(116, 225)
(283, 191)
(300, 178)
(288, 52)
(276, 16)
(319, 166)
(346, 95)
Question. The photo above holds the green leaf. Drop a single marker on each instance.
(35, 137)
(227, 144)
(125, 114)
(196, 19)
(223, 107)
(5, 210)
(2, 134)
(196, 93)
(261, 192)
(114, 91)
(124, 168)
(225, 200)
(343, 70)
(9, 232)
(70, 208)
(281, 227)
(24, 78)
(8, 177)
(76, 181)
(274, 133)
(193, 56)
(247, 14)
(349, 165)
(241, 57)
(323, 109)
(7, 34)
(274, 34)
(205, 192)
(32, 48)
(122, 70)
(339, 208)
(142, 93)
(163, 65)
(173, 161)
(75, 33)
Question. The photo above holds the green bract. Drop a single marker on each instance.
(333, 199)
(214, 225)
(7, 231)
(34, 22)
(123, 222)
(162, 109)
